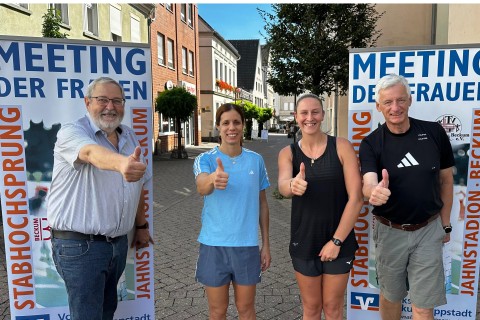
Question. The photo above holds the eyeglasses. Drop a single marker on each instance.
(103, 101)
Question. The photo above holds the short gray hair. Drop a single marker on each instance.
(391, 80)
(102, 80)
(307, 95)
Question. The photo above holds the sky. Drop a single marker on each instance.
(235, 21)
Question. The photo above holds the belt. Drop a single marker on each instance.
(73, 235)
(407, 226)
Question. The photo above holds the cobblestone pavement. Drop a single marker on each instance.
(177, 209)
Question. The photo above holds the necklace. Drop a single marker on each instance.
(312, 159)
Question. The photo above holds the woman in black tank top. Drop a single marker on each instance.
(325, 207)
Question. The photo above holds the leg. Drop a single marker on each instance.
(113, 274)
(390, 310)
(311, 293)
(217, 302)
(422, 314)
(83, 265)
(245, 301)
(333, 287)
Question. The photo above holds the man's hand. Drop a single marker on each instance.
(133, 169)
(381, 193)
(298, 185)
(220, 180)
(141, 239)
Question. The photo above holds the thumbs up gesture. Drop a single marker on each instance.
(133, 168)
(298, 185)
(220, 176)
(381, 193)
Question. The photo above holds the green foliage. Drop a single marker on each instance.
(309, 44)
(251, 112)
(176, 103)
(264, 114)
(179, 104)
(51, 24)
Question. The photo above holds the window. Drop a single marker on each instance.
(161, 49)
(191, 65)
(91, 18)
(291, 105)
(190, 15)
(135, 29)
(234, 82)
(183, 11)
(171, 61)
(168, 6)
(60, 8)
(221, 71)
(225, 72)
(116, 23)
(285, 106)
(230, 76)
(184, 60)
(216, 69)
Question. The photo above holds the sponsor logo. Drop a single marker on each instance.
(453, 127)
(364, 301)
(408, 161)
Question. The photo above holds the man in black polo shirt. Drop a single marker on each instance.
(413, 160)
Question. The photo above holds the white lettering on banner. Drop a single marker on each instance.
(472, 225)
(15, 207)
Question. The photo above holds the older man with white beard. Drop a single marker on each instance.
(96, 198)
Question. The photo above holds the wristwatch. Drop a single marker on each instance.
(143, 226)
(337, 242)
(447, 229)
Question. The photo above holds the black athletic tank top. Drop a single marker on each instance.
(316, 215)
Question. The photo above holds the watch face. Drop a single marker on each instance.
(447, 229)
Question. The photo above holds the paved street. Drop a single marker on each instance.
(177, 209)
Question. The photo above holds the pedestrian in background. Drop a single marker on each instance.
(232, 180)
(321, 174)
(413, 160)
(95, 199)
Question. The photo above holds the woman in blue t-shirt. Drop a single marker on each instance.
(232, 180)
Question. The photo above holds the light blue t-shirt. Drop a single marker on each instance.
(230, 217)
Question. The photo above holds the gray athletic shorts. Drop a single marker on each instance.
(217, 266)
(413, 256)
(315, 267)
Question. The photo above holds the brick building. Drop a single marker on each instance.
(174, 44)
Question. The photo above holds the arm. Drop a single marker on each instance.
(288, 185)
(285, 172)
(446, 193)
(142, 236)
(264, 220)
(131, 168)
(353, 184)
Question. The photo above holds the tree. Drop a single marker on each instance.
(250, 111)
(309, 44)
(179, 104)
(51, 24)
(264, 115)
